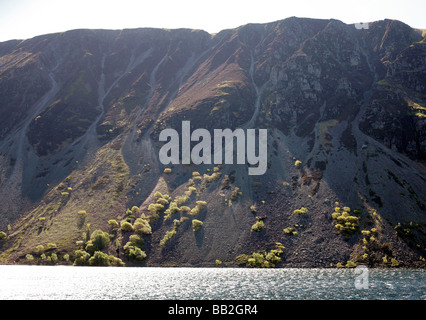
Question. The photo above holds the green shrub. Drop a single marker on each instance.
(81, 258)
(173, 208)
(29, 257)
(116, 262)
(297, 163)
(99, 239)
(141, 226)
(167, 170)
(264, 259)
(133, 248)
(153, 217)
(196, 225)
(136, 240)
(257, 259)
(90, 247)
(258, 226)
(133, 251)
(301, 211)
(113, 223)
(345, 223)
(169, 234)
(3, 235)
(185, 209)
(181, 200)
(126, 226)
(197, 209)
(201, 204)
(38, 249)
(99, 259)
(157, 207)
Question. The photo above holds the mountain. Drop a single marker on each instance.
(81, 114)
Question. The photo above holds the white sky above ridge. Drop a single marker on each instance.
(22, 19)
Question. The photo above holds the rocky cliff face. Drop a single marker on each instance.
(81, 113)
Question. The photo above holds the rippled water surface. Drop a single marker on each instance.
(97, 283)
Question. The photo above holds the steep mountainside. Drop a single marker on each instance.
(81, 113)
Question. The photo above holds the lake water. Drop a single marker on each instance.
(101, 283)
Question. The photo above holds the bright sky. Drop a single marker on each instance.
(21, 19)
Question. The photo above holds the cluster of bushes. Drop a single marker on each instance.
(49, 259)
(345, 223)
(373, 252)
(180, 201)
(178, 206)
(262, 259)
(99, 258)
(133, 248)
(141, 226)
(90, 253)
(162, 200)
(40, 254)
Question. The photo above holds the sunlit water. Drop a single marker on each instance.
(97, 283)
